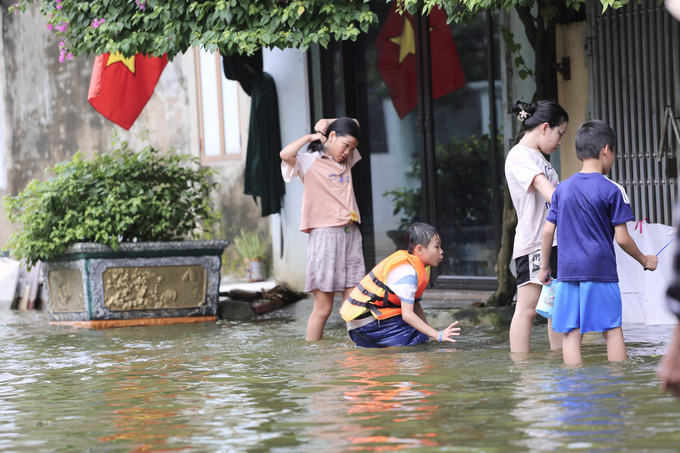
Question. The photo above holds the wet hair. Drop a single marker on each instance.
(419, 234)
(342, 127)
(540, 112)
(591, 137)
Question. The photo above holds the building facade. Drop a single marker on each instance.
(434, 136)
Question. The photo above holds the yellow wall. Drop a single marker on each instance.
(572, 94)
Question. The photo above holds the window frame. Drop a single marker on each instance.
(222, 156)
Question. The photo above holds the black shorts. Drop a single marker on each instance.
(528, 267)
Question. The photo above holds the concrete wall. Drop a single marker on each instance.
(573, 94)
(289, 244)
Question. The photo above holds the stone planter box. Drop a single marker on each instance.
(145, 283)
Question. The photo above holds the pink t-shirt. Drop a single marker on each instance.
(328, 198)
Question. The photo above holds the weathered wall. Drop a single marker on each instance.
(46, 116)
(572, 94)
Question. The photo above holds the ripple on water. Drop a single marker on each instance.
(242, 386)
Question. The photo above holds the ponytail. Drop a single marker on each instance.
(342, 127)
(533, 115)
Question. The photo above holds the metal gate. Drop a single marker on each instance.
(634, 69)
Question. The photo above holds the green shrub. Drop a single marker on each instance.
(114, 197)
(250, 245)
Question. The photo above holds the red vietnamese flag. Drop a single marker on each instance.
(120, 87)
(396, 47)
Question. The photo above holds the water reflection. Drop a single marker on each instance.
(378, 397)
(591, 407)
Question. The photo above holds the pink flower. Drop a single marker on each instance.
(101, 21)
(62, 44)
(60, 6)
(50, 26)
(69, 56)
(95, 23)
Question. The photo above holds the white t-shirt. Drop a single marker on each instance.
(403, 281)
(522, 165)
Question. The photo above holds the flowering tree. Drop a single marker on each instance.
(171, 27)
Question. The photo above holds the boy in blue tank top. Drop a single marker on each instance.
(588, 210)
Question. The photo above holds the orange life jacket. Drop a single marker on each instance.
(372, 294)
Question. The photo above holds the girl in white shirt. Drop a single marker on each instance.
(531, 181)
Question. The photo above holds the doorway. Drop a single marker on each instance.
(427, 96)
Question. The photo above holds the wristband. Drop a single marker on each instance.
(440, 336)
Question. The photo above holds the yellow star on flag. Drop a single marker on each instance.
(406, 41)
(118, 57)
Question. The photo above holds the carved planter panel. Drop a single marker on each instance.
(139, 284)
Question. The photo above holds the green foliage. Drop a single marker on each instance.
(157, 27)
(462, 171)
(463, 10)
(513, 47)
(250, 245)
(117, 196)
(229, 26)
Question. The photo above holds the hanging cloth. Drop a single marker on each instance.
(263, 164)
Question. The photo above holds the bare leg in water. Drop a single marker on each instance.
(323, 307)
(525, 312)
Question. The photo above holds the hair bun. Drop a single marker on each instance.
(523, 110)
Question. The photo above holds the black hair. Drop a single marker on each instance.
(538, 113)
(342, 127)
(591, 137)
(419, 234)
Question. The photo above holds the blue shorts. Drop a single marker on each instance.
(589, 306)
(388, 332)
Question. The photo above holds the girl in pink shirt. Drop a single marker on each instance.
(335, 260)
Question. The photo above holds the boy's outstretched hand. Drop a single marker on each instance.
(544, 276)
(450, 332)
(650, 262)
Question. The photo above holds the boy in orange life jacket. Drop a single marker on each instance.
(384, 309)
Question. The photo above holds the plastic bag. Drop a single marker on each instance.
(546, 301)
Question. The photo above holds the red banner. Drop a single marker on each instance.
(120, 87)
(397, 63)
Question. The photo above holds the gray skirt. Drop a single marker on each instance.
(335, 259)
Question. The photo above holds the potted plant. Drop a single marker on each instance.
(252, 249)
(111, 233)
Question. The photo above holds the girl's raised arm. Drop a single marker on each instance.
(289, 153)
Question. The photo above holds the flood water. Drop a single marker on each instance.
(258, 386)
